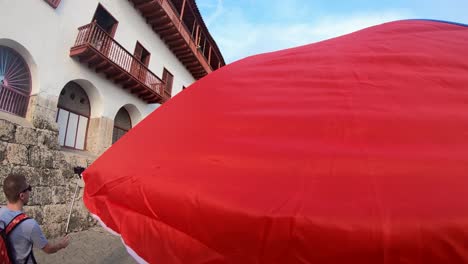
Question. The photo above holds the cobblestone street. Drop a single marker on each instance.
(93, 246)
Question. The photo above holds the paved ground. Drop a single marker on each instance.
(93, 246)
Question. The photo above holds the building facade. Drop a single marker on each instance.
(75, 76)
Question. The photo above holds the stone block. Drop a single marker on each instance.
(80, 218)
(68, 174)
(43, 123)
(76, 160)
(2, 197)
(59, 161)
(5, 170)
(42, 112)
(48, 139)
(55, 213)
(7, 131)
(32, 174)
(17, 154)
(59, 195)
(53, 230)
(41, 196)
(99, 135)
(3, 148)
(26, 136)
(35, 212)
(41, 157)
(51, 177)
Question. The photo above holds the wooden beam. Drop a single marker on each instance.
(131, 86)
(163, 19)
(174, 38)
(188, 62)
(198, 72)
(164, 26)
(137, 89)
(181, 48)
(156, 13)
(146, 5)
(153, 101)
(156, 97)
(102, 63)
(111, 70)
(136, 2)
(169, 30)
(88, 59)
(129, 82)
(104, 67)
(188, 58)
(145, 92)
(193, 63)
(118, 76)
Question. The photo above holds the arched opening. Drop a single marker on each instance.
(122, 124)
(15, 82)
(73, 115)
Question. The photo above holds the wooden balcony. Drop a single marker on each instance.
(163, 17)
(101, 52)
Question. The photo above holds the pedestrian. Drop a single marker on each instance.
(27, 233)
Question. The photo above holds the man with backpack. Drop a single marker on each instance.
(20, 233)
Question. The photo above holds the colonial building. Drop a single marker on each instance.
(75, 76)
(103, 65)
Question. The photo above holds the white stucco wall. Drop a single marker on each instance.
(47, 34)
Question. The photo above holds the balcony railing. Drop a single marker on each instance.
(13, 101)
(166, 21)
(92, 35)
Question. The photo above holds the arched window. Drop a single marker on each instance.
(122, 124)
(73, 116)
(15, 82)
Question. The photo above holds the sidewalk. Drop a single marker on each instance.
(93, 246)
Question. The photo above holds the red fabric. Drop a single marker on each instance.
(351, 150)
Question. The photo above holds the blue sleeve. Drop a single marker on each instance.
(37, 237)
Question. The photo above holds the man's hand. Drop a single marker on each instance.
(64, 242)
(52, 248)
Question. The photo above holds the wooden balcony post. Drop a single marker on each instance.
(209, 56)
(182, 10)
(197, 37)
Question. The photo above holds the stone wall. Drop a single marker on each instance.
(35, 153)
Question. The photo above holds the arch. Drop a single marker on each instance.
(94, 96)
(122, 124)
(15, 82)
(28, 58)
(125, 118)
(135, 114)
(73, 114)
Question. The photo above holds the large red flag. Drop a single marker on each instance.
(350, 150)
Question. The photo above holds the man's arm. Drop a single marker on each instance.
(50, 248)
(41, 242)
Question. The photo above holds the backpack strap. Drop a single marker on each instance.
(30, 256)
(15, 222)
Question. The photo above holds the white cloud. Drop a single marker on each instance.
(238, 37)
(218, 11)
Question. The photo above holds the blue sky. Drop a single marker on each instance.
(246, 27)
